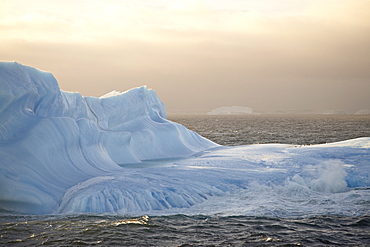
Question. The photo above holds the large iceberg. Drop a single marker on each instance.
(61, 152)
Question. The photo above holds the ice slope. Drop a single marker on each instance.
(64, 153)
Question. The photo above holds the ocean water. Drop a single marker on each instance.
(211, 230)
(234, 130)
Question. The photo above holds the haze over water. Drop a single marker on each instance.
(200, 55)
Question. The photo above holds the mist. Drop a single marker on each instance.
(199, 57)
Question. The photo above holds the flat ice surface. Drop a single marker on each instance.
(61, 152)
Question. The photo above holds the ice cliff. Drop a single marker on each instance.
(61, 152)
(51, 140)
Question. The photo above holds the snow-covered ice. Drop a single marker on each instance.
(61, 152)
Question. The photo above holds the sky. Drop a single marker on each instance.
(199, 55)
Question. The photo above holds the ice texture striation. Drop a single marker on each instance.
(61, 152)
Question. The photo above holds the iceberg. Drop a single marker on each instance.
(334, 112)
(233, 110)
(363, 112)
(64, 153)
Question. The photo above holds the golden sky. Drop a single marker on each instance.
(199, 55)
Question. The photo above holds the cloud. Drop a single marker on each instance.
(233, 52)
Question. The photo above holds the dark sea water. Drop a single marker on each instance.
(182, 230)
(210, 230)
(233, 130)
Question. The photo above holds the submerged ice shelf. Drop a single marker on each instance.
(65, 153)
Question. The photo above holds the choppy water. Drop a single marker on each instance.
(211, 230)
(291, 129)
(182, 230)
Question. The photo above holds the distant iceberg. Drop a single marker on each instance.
(63, 153)
(334, 112)
(363, 112)
(233, 110)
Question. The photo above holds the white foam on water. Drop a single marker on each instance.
(331, 177)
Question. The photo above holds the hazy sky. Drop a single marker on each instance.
(199, 55)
